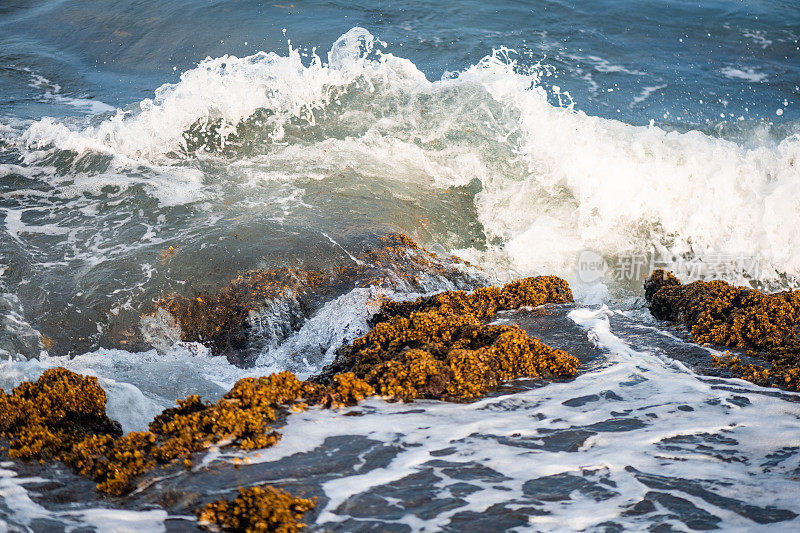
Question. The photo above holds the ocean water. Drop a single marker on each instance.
(589, 140)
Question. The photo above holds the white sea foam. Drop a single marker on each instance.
(748, 74)
(646, 93)
(313, 346)
(227, 88)
(601, 184)
(16, 334)
(52, 92)
(758, 37)
(23, 510)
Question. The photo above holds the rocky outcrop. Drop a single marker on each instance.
(716, 312)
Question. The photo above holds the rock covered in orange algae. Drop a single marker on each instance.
(720, 313)
(257, 510)
(242, 418)
(439, 347)
(62, 416)
(484, 302)
(452, 360)
(42, 419)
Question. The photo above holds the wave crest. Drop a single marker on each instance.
(553, 181)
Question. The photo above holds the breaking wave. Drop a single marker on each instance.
(553, 181)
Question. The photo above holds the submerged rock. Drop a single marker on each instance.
(260, 308)
(716, 312)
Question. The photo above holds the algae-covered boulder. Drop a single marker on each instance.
(440, 346)
(43, 419)
(717, 312)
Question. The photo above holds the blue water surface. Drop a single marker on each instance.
(681, 64)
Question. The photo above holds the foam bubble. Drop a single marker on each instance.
(747, 74)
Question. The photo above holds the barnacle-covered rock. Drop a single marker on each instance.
(42, 419)
(440, 346)
(257, 510)
(720, 313)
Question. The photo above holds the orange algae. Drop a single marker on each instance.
(167, 254)
(346, 390)
(484, 302)
(438, 347)
(242, 418)
(111, 462)
(717, 312)
(413, 374)
(257, 510)
(42, 419)
(750, 372)
(453, 360)
(62, 416)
